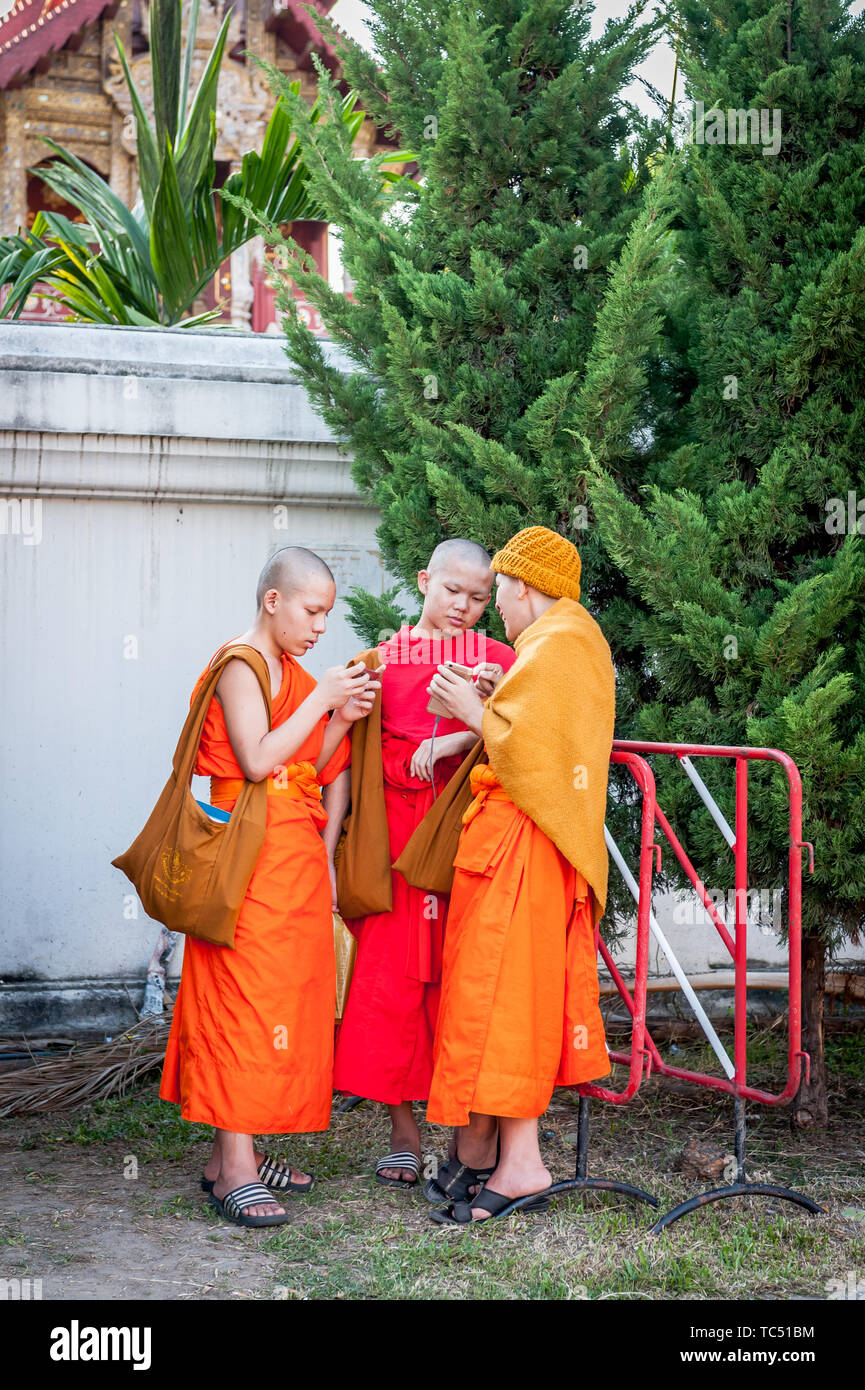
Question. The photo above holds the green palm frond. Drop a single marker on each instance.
(148, 264)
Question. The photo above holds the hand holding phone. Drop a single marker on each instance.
(487, 675)
(435, 705)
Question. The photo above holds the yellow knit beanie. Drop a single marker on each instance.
(543, 559)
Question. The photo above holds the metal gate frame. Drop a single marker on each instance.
(644, 1057)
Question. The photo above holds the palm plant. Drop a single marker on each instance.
(152, 261)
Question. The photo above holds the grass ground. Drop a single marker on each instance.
(105, 1203)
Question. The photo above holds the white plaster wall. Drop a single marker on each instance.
(163, 490)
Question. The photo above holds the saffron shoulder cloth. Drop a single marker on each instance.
(362, 856)
(547, 735)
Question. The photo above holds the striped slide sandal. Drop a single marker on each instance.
(252, 1194)
(407, 1160)
(275, 1175)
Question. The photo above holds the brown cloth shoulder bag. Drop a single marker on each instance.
(427, 862)
(362, 856)
(190, 872)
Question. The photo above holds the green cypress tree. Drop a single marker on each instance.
(476, 292)
(745, 556)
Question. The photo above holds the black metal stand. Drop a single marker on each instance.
(349, 1103)
(580, 1183)
(739, 1188)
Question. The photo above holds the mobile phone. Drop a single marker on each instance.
(435, 706)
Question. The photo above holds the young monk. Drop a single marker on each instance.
(251, 1044)
(519, 1009)
(384, 1048)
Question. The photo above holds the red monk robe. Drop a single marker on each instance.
(251, 1042)
(384, 1047)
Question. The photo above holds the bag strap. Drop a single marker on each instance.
(190, 735)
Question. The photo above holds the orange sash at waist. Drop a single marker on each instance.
(295, 779)
(484, 783)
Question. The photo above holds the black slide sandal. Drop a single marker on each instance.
(460, 1177)
(460, 1213)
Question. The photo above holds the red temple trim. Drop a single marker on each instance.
(35, 28)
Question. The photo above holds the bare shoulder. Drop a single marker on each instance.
(238, 683)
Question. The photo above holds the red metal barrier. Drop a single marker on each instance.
(644, 1057)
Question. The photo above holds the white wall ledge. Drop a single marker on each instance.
(166, 468)
(216, 384)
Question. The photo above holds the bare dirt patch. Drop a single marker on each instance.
(74, 1221)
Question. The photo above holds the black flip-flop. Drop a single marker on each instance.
(459, 1178)
(460, 1213)
(250, 1194)
(275, 1175)
(405, 1160)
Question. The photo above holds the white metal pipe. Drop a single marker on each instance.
(711, 804)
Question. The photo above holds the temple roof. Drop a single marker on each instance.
(299, 30)
(34, 28)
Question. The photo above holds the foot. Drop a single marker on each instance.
(212, 1170)
(228, 1180)
(476, 1149)
(404, 1138)
(514, 1183)
(452, 1181)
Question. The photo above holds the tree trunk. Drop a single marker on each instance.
(811, 1107)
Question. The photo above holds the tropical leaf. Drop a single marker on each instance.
(198, 319)
(170, 242)
(23, 267)
(83, 275)
(165, 67)
(194, 149)
(88, 191)
(148, 157)
(191, 32)
(273, 181)
(207, 251)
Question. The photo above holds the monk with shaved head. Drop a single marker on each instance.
(403, 757)
(519, 1010)
(251, 1043)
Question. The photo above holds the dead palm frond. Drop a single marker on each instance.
(91, 1072)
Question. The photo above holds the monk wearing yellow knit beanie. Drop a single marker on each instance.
(519, 1005)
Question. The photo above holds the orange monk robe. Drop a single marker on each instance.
(384, 1047)
(251, 1042)
(519, 1008)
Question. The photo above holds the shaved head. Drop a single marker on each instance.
(456, 587)
(289, 570)
(459, 550)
